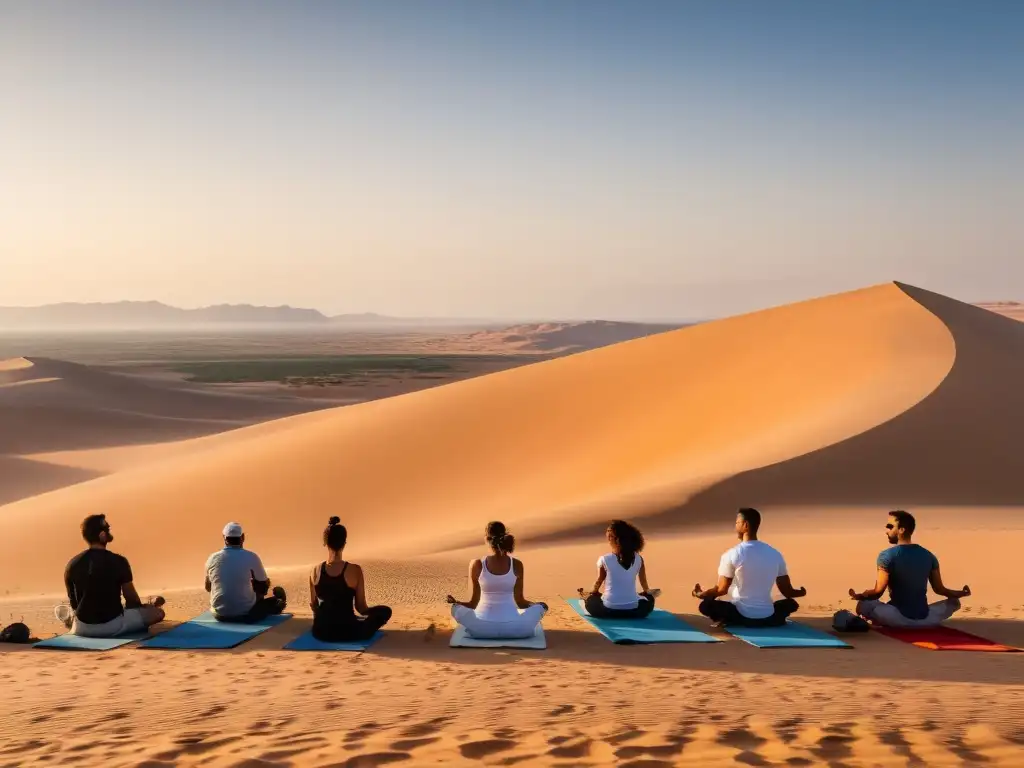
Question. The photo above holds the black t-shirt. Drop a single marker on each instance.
(93, 580)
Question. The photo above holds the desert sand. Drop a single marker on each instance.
(824, 414)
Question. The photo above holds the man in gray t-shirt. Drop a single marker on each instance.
(238, 583)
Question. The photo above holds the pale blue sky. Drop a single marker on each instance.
(527, 159)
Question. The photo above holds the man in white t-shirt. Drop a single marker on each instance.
(238, 583)
(747, 573)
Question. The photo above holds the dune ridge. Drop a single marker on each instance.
(645, 424)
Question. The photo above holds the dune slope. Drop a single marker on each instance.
(546, 447)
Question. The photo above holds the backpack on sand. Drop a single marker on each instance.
(15, 633)
(845, 621)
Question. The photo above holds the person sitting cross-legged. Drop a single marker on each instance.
(747, 573)
(905, 570)
(95, 581)
(238, 583)
(497, 610)
(618, 573)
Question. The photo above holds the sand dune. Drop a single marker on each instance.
(51, 410)
(564, 337)
(644, 425)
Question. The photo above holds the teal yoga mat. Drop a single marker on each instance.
(306, 642)
(69, 642)
(789, 635)
(205, 632)
(659, 627)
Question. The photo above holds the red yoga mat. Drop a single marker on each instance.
(945, 639)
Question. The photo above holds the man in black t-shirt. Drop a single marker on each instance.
(95, 581)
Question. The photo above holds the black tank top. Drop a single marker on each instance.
(335, 595)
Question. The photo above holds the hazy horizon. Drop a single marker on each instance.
(565, 161)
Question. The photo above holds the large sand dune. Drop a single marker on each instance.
(656, 427)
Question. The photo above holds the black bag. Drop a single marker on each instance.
(15, 633)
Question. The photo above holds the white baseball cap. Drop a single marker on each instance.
(232, 530)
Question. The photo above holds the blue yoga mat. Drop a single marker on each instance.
(660, 627)
(206, 632)
(306, 642)
(69, 642)
(789, 635)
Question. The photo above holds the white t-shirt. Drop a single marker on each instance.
(753, 567)
(230, 572)
(620, 583)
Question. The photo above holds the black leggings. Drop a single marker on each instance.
(264, 606)
(725, 612)
(349, 628)
(597, 609)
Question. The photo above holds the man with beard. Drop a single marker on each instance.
(95, 581)
(905, 570)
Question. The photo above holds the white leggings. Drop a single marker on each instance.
(482, 629)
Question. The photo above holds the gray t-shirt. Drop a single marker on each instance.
(230, 572)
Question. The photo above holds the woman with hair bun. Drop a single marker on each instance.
(618, 572)
(497, 610)
(335, 586)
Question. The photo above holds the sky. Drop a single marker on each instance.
(652, 160)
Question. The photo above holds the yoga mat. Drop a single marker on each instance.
(306, 642)
(462, 640)
(659, 627)
(789, 635)
(945, 639)
(206, 632)
(69, 642)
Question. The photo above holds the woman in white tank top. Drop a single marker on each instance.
(497, 609)
(618, 572)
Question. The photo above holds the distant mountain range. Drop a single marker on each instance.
(154, 314)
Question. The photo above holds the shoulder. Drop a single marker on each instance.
(886, 556)
(604, 559)
(517, 565)
(119, 559)
(927, 554)
(476, 565)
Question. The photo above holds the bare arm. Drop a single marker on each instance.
(131, 596)
(70, 587)
(720, 589)
(521, 602)
(475, 568)
(602, 574)
(643, 577)
(941, 589)
(881, 584)
(314, 602)
(787, 589)
(360, 588)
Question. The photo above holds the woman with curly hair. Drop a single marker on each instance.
(618, 572)
(335, 587)
(497, 610)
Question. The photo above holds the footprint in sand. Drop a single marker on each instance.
(477, 750)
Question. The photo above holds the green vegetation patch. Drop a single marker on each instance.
(333, 369)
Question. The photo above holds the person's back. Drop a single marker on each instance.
(336, 595)
(497, 591)
(231, 572)
(620, 589)
(754, 567)
(95, 577)
(909, 567)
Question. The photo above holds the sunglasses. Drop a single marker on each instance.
(889, 526)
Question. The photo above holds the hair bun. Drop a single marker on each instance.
(334, 521)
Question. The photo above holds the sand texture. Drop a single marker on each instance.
(824, 414)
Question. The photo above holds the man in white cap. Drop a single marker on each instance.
(237, 582)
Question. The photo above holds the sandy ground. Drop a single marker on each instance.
(583, 701)
(824, 414)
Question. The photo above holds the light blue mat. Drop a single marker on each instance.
(660, 627)
(789, 635)
(69, 642)
(306, 642)
(205, 632)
